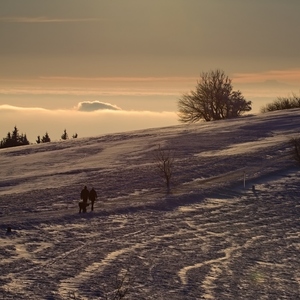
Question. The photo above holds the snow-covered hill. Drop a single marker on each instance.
(213, 236)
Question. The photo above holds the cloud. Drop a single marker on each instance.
(114, 79)
(37, 121)
(11, 108)
(291, 76)
(44, 20)
(96, 105)
(93, 86)
(100, 87)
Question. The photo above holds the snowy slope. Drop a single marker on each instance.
(210, 238)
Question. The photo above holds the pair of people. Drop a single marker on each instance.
(86, 195)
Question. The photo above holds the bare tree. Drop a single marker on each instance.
(122, 286)
(120, 289)
(164, 159)
(213, 99)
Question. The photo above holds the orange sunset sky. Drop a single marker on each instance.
(98, 66)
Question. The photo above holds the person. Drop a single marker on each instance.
(92, 197)
(84, 195)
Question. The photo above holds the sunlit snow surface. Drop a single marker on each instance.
(213, 236)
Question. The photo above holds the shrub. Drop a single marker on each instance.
(282, 103)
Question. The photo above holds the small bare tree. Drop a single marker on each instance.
(295, 142)
(123, 283)
(164, 159)
(120, 289)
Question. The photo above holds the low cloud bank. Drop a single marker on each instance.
(96, 105)
(86, 123)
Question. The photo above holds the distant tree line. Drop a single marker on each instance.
(14, 139)
(45, 139)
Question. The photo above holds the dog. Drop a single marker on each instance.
(82, 206)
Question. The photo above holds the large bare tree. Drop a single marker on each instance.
(213, 99)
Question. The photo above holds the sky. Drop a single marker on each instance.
(69, 64)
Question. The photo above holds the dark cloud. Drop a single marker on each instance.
(96, 105)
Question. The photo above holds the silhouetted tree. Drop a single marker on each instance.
(213, 99)
(7, 142)
(74, 136)
(282, 103)
(14, 139)
(15, 135)
(38, 141)
(64, 135)
(24, 140)
(46, 138)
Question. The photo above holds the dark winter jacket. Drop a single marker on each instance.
(84, 195)
(93, 195)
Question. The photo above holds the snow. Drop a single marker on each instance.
(211, 237)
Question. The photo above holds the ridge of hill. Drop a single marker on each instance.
(119, 165)
(228, 229)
